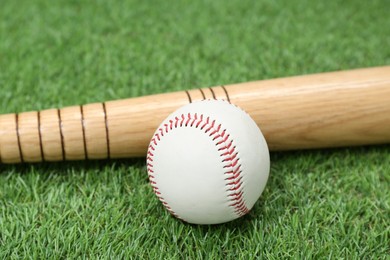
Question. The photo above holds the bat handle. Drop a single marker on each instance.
(114, 129)
(78, 132)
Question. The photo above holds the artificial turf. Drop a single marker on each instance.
(331, 203)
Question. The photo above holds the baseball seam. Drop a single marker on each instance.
(225, 146)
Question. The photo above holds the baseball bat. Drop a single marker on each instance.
(345, 108)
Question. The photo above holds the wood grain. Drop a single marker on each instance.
(345, 108)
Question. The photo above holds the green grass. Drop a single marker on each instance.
(318, 204)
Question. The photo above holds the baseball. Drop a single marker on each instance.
(208, 162)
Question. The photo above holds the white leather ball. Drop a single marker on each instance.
(208, 162)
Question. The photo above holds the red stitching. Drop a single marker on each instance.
(236, 195)
(161, 132)
(235, 162)
(200, 121)
(230, 158)
(188, 119)
(206, 123)
(195, 118)
(236, 173)
(234, 182)
(211, 126)
(216, 132)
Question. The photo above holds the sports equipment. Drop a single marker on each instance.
(312, 111)
(208, 162)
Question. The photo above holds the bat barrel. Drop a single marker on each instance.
(313, 111)
(334, 109)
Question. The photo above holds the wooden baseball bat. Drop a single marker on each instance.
(333, 109)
